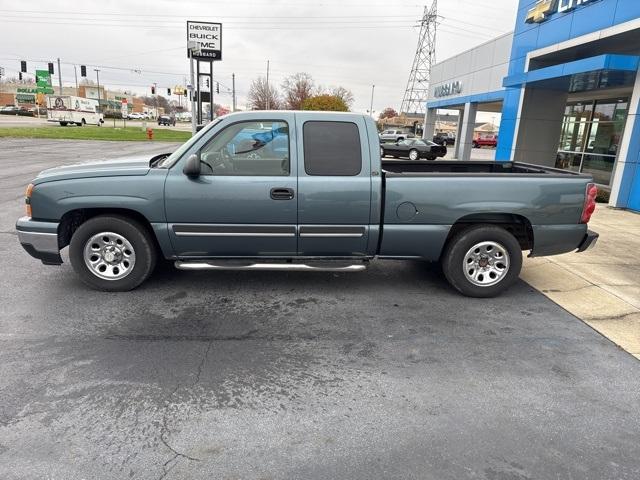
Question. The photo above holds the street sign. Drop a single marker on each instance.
(124, 108)
(43, 81)
(208, 38)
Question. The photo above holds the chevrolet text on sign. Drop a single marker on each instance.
(208, 38)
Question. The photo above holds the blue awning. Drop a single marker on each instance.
(608, 62)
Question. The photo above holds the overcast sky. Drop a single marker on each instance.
(352, 43)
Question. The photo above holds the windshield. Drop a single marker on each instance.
(173, 158)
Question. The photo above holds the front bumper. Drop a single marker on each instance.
(40, 240)
(589, 241)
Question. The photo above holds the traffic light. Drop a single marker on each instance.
(153, 89)
(20, 76)
(217, 87)
(83, 70)
(168, 91)
(23, 66)
(51, 68)
(185, 92)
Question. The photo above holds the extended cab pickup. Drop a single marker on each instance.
(302, 191)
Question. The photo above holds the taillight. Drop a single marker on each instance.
(27, 199)
(589, 203)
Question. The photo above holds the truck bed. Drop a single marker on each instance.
(422, 168)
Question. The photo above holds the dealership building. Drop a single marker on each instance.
(567, 86)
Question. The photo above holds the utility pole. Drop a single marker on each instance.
(373, 87)
(211, 91)
(268, 87)
(59, 78)
(192, 92)
(98, 80)
(233, 92)
(155, 98)
(75, 72)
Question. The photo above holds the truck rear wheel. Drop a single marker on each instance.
(63, 124)
(112, 253)
(482, 261)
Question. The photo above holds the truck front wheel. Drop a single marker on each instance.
(482, 261)
(112, 253)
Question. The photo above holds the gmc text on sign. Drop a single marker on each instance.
(208, 37)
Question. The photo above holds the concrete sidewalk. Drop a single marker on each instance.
(600, 286)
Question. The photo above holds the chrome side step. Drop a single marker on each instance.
(290, 267)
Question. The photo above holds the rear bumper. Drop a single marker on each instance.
(40, 240)
(589, 241)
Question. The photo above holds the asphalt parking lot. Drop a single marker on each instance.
(382, 374)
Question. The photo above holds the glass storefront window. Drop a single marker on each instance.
(604, 138)
(600, 166)
(569, 161)
(572, 139)
(590, 138)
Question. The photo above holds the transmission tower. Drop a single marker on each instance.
(417, 92)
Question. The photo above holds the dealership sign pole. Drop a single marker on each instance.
(204, 43)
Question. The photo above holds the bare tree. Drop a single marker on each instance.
(262, 96)
(343, 94)
(297, 88)
(388, 112)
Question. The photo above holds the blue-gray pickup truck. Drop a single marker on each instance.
(302, 191)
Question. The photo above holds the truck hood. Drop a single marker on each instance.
(107, 168)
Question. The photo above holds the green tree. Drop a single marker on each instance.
(325, 102)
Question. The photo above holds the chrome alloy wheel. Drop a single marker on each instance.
(109, 256)
(413, 155)
(486, 263)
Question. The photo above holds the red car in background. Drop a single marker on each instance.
(486, 141)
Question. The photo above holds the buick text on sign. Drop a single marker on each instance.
(208, 39)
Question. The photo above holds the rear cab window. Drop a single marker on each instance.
(332, 148)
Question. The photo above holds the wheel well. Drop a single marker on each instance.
(517, 225)
(74, 218)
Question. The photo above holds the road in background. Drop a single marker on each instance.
(18, 121)
(382, 374)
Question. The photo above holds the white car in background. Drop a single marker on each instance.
(395, 135)
(135, 116)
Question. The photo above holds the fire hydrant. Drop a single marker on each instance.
(150, 133)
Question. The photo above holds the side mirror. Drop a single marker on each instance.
(192, 167)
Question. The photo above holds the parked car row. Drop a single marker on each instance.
(140, 116)
(13, 110)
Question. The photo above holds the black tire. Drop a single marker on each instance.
(135, 233)
(431, 157)
(63, 124)
(399, 139)
(475, 145)
(457, 248)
